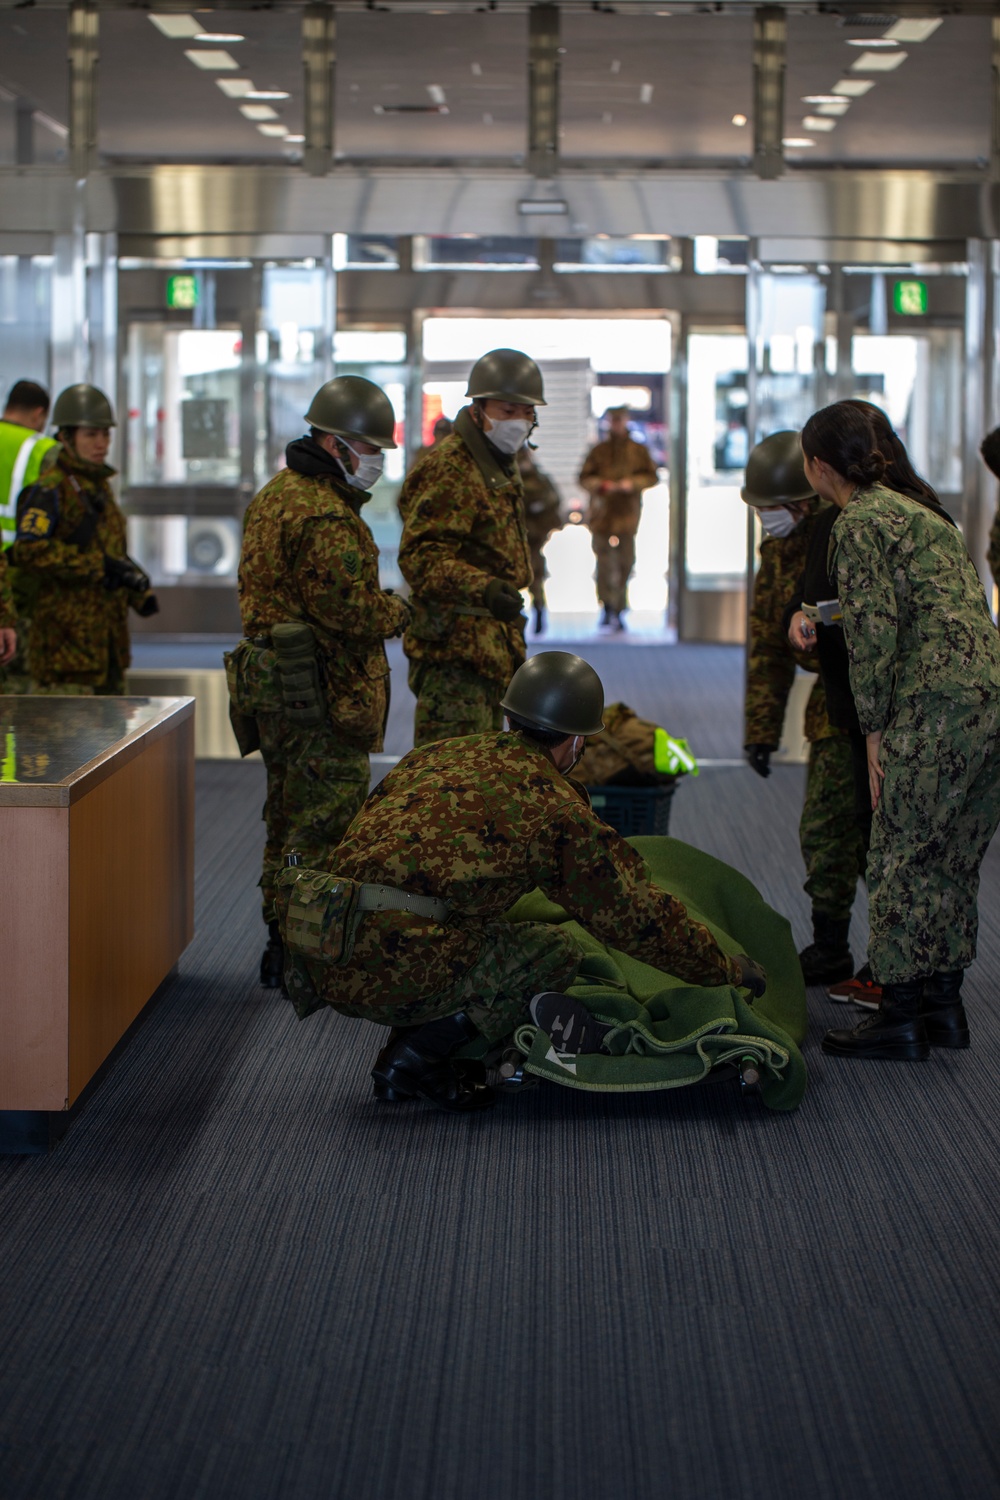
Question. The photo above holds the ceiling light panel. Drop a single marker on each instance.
(835, 107)
(912, 30)
(853, 88)
(877, 43)
(258, 112)
(273, 130)
(815, 122)
(797, 142)
(213, 62)
(219, 36)
(235, 88)
(267, 94)
(177, 26)
(879, 62)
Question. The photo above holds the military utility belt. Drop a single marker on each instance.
(390, 898)
(826, 612)
(472, 609)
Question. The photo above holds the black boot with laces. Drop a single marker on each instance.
(895, 1032)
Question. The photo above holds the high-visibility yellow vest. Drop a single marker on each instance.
(21, 455)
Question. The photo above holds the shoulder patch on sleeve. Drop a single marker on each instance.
(37, 511)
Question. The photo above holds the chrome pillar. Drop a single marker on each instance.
(70, 362)
(319, 34)
(979, 486)
(543, 90)
(83, 33)
(995, 98)
(770, 31)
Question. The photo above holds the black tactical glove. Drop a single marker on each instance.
(990, 449)
(123, 573)
(150, 606)
(759, 758)
(752, 977)
(502, 599)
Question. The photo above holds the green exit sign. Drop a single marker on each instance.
(182, 291)
(910, 298)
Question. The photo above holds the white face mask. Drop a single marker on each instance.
(510, 435)
(369, 470)
(778, 522)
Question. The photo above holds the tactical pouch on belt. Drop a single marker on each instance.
(319, 918)
(244, 724)
(298, 673)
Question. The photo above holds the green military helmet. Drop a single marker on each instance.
(556, 690)
(82, 406)
(775, 474)
(352, 407)
(506, 375)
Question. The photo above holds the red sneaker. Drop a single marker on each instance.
(861, 990)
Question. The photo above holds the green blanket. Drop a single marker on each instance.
(671, 1033)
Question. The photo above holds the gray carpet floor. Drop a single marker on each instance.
(240, 1279)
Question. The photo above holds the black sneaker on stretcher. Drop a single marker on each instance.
(568, 1023)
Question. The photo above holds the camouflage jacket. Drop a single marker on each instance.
(542, 509)
(993, 549)
(483, 820)
(463, 526)
(308, 555)
(772, 659)
(8, 614)
(614, 460)
(920, 638)
(68, 521)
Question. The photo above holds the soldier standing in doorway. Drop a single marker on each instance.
(542, 516)
(70, 547)
(309, 682)
(24, 453)
(614, 474)
(464, 552)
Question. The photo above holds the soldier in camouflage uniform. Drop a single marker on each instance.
(542, 516)
(71, 547)
(465, 554)
(615, 473)
(831, 841)
(925, 674)
(458, 832)
(8, 617)
(309, 557)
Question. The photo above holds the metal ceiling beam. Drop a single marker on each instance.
(319, 35)
(83, 32)
(770, 31)
(543, 90)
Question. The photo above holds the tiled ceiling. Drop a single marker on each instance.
(634, 87)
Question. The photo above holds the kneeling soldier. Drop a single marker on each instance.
(309, 684)
(442, 849)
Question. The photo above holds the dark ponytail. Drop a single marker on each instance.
(900, 475)
(842, 436)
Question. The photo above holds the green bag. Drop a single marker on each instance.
(318, 914)
(303, 699)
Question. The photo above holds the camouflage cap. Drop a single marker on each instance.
(775, 474)
(556, 690)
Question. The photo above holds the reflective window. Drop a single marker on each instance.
(25, 319)
(183, 404)
(488, 252)
(608, 252)
(366, 252)
(713, 257)
(718, 442)
(293, 352)
(918, 382)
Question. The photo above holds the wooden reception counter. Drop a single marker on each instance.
(96, 881)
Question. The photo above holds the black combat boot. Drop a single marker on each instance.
(416, 1064)
(895, 1032)
(828, 957)
(942, 1011)
(272, 963)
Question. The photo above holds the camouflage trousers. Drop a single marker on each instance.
(539, 573)
(109, 681)
(453, 701)
(615, 562)
(938, 810)
(15, 677)
(833, 846)
(315, 786)
(489, 970)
